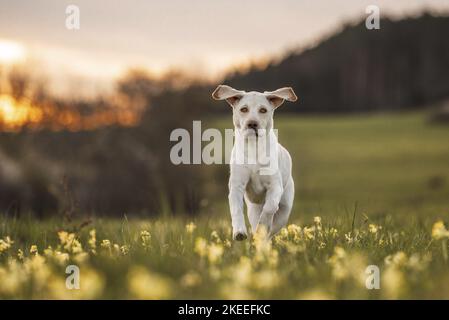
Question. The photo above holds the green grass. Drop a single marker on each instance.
(387, 171)
(387, 164)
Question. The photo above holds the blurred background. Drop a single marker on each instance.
(85, 115)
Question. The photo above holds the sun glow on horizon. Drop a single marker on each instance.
(11, 51)
(14, 114)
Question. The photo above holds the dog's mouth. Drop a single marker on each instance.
(251, 132)
(256, 132)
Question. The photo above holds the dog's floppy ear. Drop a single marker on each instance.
(231, 95)
(277, 97)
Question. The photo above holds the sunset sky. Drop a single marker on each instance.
(203, 37)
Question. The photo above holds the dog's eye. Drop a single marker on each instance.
(244, 109)
(263, 110)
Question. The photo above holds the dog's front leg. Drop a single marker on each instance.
(270, 207)
(237, 183)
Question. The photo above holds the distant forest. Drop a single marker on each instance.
(405, 64)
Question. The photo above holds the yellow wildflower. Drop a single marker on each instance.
(105, 244)
(309, 233)
(215, 237)
(69, 242)
(34, 250)
(399, 259)
(348, 266)
(372, 228)
(201, 246)
(293, 230)
(5, 244)
(349, 239)
(57, 256)
(124, 249)
(227, 243)
(283, 234)
(92, 240)
(190, 227)
(63, 237)
(439, 231)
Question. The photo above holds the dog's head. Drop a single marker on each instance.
(253, 111)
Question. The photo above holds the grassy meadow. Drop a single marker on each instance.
(370, 190)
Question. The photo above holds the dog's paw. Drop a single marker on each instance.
(240, 235)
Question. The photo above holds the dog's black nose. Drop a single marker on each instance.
(252, 125)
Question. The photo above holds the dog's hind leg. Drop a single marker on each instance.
(280, 218)
(254, 210)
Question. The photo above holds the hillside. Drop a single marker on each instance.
(405, 64)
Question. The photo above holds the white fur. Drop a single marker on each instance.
(268, 196)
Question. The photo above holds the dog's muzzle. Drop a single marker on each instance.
(253, 125)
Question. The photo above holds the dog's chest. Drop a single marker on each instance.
(256, 187)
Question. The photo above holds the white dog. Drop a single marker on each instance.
(268, 194)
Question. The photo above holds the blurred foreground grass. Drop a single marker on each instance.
(379, 184)
(174, 258)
